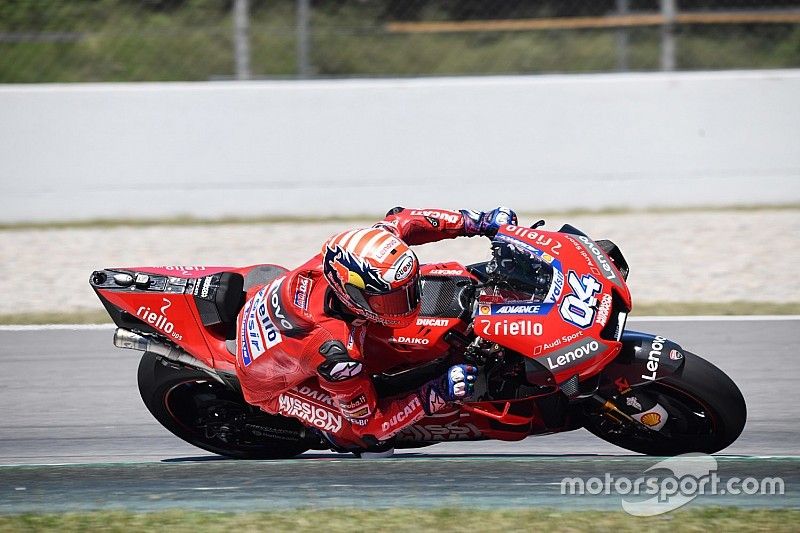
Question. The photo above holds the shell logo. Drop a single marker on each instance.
(485, 310)
(651, 419)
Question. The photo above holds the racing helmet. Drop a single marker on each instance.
(375, 274)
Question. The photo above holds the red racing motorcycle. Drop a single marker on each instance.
(543, 320)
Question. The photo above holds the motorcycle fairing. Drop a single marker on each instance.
(508, 420)
(566, 334)
(644, 358)
(172, 301)
(155, 306)
(446, 306)
(188, 272)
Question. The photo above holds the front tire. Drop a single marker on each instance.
(214, 417)
(707, 413)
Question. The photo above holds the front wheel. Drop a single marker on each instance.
(706, 409)
(213, 416)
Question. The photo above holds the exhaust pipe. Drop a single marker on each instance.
(127, 339)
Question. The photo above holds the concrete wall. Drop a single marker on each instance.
(362, 146)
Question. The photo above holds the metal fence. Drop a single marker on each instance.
(151, 40)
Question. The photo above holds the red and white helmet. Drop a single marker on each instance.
(375, 274)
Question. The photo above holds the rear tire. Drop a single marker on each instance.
(707, 413)
(212, 416)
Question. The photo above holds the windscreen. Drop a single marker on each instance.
(520, 275)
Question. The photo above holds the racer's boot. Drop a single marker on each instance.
(378, 450)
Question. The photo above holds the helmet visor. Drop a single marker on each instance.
(401, 301)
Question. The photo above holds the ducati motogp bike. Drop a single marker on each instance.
(544, 320)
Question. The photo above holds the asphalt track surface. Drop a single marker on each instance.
(75, 435)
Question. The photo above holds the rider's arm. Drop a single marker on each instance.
(372, 418)
(342, 374)
(420, 226)
(343, 377)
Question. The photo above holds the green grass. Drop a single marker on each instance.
(715, 308)
(98, 316)
(640, 309)
(410, 520)
(178, 221)
(186, 220)
(123, 40)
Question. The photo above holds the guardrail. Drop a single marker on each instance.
(667, 20)
(581, 23)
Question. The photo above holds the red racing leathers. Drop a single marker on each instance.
(300, 354)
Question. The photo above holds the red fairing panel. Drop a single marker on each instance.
(508, 420)
(449, 424)
(190, 272)
(423, 340)
(174, 315)
(562, 332)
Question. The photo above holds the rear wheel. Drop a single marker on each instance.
(213, 416)
(707, 413)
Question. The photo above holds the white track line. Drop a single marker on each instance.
(687, 318)
(52, 327)
(713, 318)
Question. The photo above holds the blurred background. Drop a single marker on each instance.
(276, 108)
(179, 40)
(653, 117)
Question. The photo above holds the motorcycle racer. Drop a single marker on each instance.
(300, 345)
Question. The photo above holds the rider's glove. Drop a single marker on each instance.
(488, 222)
(457, 384)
